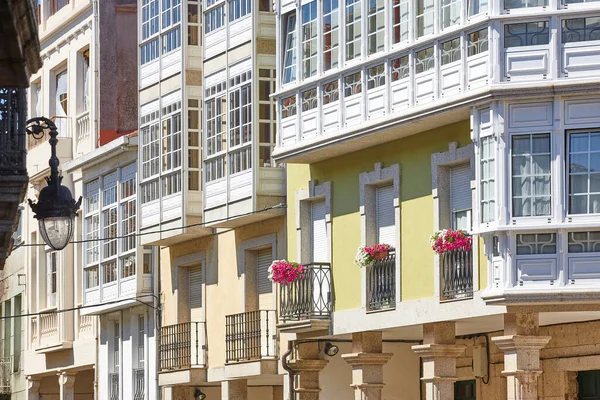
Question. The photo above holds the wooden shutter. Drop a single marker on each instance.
(264, 260)
(195, 291)
(385, 215)
(319, 241)
(460, 188)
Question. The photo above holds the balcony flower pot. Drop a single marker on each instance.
(447, 240)
(367, 255)
(285, 272)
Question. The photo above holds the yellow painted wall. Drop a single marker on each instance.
(483, 265)
(414, 156)
(224, 282)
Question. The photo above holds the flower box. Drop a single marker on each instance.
(447, 240)
(285, 272)
(367, 255)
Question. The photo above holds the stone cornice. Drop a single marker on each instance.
(518, 342)
(358, 359)
(439, 350)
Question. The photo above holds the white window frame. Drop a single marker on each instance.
(52, 278)
(333, 14)
(304, 198)
(247, 252)
(368, 184)
(357, 39)
(290, 49)
(310, 26)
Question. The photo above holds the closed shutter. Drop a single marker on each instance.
(195, 292)
(265, 258)
(319, 241)
(386, 220)
(460, 196)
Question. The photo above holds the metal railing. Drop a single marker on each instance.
(182, 346)
(5, 375)
(138, 384)
(113, 381)
(456, 274)
(250, 336)
(62, 125)
(381, 284)
(12, 131)
(309, 297)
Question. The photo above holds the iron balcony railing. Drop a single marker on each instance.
(113, 380)
(456, 267)
(182, 346)
(138, 384)
(309, 297)
(12, 131)
(381, 284)
(250, 336)
(5, 375)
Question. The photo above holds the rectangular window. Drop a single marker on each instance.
(288, 107)
(450, 13)
(171, 12)
(216, 123)
(149, 18)
(580, 29)
(109, 215)
(141, 340)
(588, 383)
(56, 5)
(385, 215)
(289, 53)
(149, 51)
(331, 92)
(240, 115)
(17, 335)
(536, 243)
(477, 42)
(171, 40)
(376, 76)
(450, 51)
(353, 29)
(526, 34)
(584, 242)
(239, 9)
(51, 279)
(309, 99)
(215, 169)
(477, 7)
(508, 4)
(171, 183)
(465, 390)
(61, 107)
(584, 172)
(128, 266)
(400, 68)
(240, 160)
(150, 150)
(309, 39)
(331, 31)
(425, 17)
(92, 221)
(267, 125)
(401, 19)
(128, 213)
(425, 60)
(376, 26)
(577, 1)
(214, 19)
(171, 142)
(531, 175)
(194, 144)
(116, 348)
(353, 84)
(319, 249)
(487, 173)
(460, 197)
(85, 77)
(110, 271)
(91, 277)
(193, 25)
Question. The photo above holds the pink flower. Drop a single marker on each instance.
(285, 272)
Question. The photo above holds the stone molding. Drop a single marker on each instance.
(304, 365)
(439, 350)
(360, 359)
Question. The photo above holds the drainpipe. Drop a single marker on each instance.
(290, 371)
(157, 324)
(94, 128)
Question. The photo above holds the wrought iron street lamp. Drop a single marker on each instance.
(55, 209)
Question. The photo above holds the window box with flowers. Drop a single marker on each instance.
(456, 263)
(379, 260)
(285, 272)
(368, 255)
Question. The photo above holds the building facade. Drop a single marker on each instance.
(76, 346)
(398, 119)
(211, 196)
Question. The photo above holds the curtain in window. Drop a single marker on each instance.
(61, 103)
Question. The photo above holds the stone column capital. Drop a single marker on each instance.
(360, 359)
(433, 350)
(33, 385)
(520, 343)
(67, 380)
(306, 365)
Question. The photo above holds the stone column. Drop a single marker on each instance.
(234, 390)
(33, 388)
(521, 346)
(67, 386)
(307, 365)
(367, 360)
(439, 352)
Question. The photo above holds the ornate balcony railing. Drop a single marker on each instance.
(182, 346)
(12, 131)
(456, 273)
(113, 381)
(309, 297)
(5, 375)
(138, 384)
(381, 284)
(250, 336)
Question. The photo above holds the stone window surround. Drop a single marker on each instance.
(180, 263)
(304, 197)
(246, 254)
(368, 183)
(440, 191)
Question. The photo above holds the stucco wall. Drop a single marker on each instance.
(414, 156)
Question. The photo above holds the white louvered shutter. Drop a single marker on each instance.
(319, 249)
(386, 220)
(195, 293)
(264, 258)
(460, 196)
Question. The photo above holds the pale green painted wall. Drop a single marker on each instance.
(414, 156)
